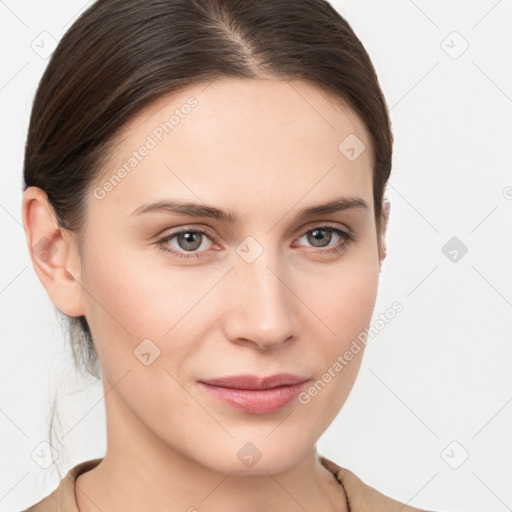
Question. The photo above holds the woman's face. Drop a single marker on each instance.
(266, 291)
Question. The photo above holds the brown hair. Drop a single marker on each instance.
(120, 55)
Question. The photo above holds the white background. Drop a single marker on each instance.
(438, 373)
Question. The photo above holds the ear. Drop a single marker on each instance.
(54, 253)
(382, 242)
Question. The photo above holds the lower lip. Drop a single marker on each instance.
(255, 402)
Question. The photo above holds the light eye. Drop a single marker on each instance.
(192, 243)
(322, 236)
(188, 241)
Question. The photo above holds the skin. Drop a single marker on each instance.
(264, 149)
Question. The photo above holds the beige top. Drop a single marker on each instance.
(360, 497)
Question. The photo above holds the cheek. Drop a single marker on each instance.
(135, 296)
(344, 299)
(350, 303)
(342, 295)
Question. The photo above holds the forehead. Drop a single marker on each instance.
(259, 140)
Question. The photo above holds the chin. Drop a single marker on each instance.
(245, 458)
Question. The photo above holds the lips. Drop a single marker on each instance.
(255, 395)
(254, 382)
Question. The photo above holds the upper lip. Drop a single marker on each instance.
(254, 382)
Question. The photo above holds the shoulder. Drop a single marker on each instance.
(362, 497)
(62, 499)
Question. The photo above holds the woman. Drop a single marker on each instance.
(204, 199)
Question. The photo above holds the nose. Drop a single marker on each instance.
(261, 307)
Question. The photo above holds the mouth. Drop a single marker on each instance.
(253, 394)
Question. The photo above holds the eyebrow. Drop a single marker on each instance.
(228, 216)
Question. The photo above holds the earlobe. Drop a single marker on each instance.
(382, 242)
(52, 251)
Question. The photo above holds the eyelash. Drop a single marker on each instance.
(346, 239)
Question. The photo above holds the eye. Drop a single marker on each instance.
(191, 243)
(321, 236)
(187, 240)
